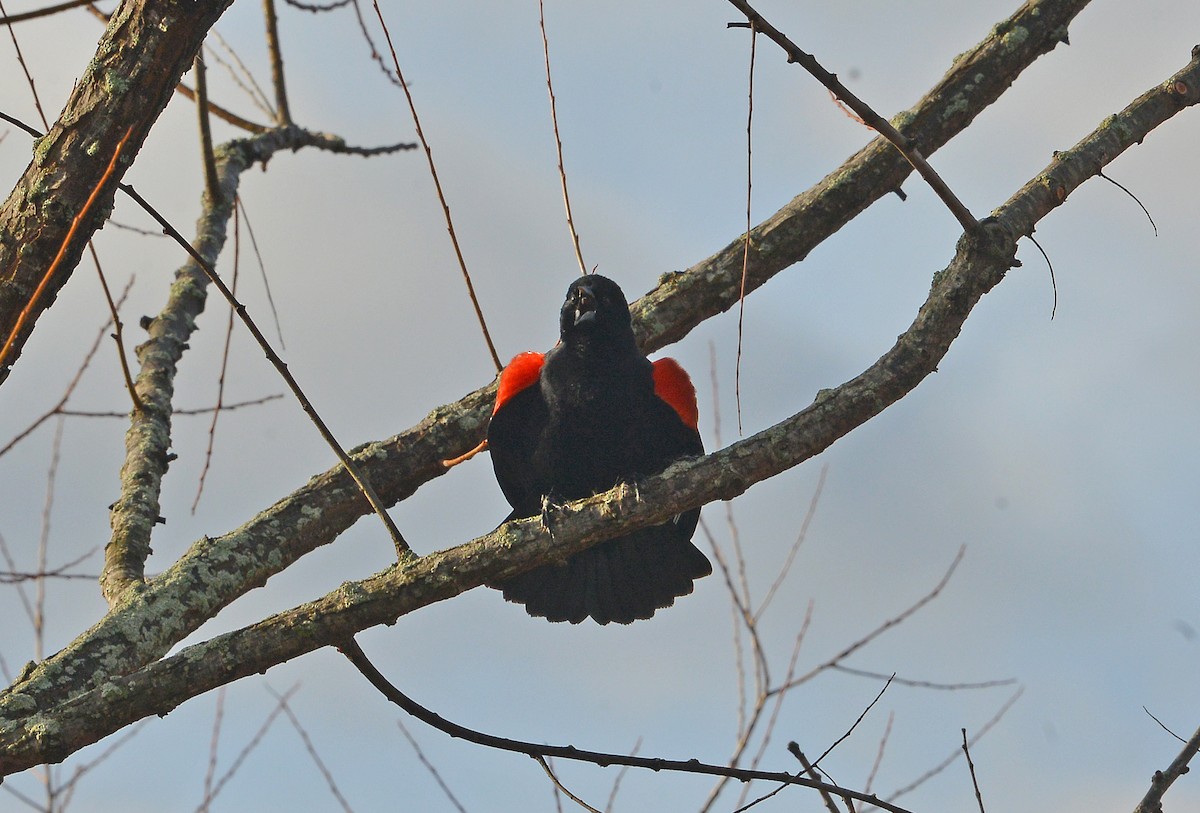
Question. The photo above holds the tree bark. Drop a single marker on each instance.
(143, 52)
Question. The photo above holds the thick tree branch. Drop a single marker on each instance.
(216, 571)
(145, 49)
(35, 728)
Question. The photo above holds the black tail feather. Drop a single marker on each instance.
(621, 581)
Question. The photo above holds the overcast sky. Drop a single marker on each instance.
(1059, 453)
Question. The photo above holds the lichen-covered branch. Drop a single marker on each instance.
(148, 439)
(33, 731)
(216, 571)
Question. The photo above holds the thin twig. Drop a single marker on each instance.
(850, 730)
(216, 414)
(794, 749)
(887, 732)
(864, 112)
(737, 367)
(37, 102)
(1122, 187)
(1162, 726)
(214, 743)
(43, 12)
(957, 752)
(86, 413)
(425, 763)
(312, 751)
(616, 785)
(562, 172)
(924, 684)
(118, 328)
(813, 502)
(212, 186)
(283, 114)
(462, 264)
(262, 270)
(242, 77)
(87, 360)
(558, 784)
(43, 548)
(211, 793)
(882, 628)
(971, 766)
(1050, 267)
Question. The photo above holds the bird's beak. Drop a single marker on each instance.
(585, 306)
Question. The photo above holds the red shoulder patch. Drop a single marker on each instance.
(673, 385)
(521, 373)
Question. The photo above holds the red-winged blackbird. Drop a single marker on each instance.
(589, 414)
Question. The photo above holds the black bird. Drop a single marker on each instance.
(589, 414)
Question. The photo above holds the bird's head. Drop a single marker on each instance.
(595, 307)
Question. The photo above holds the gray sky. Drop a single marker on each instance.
(1058, 452)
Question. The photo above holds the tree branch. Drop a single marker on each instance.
(143, 52)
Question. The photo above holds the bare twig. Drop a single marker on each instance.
(737, 366)
(214, 743)
(957, 752)
(216, 413)
(87, 360)
(210, 793)
(850, 730)
(136, 511)
(887, 731)
(562, 172)
(971, 766)
(616, 785)
(462, 263)
(545, 763)
(118, 327)
(37, 102)
(43, 12)
(924, 684)
(813, 502)
(891, 623)
(1163, 726)
(283, 114)
(826, 797)
(241, 75)
(262, 270)
(355, 655)
(425, 763)
(312, 751)
(864, 112)
(89, 413)
(212, 186)
(1122, 187)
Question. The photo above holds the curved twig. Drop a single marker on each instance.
(356, 656)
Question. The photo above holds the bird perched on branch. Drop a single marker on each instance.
(578, 420)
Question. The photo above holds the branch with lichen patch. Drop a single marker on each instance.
(136, 511)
